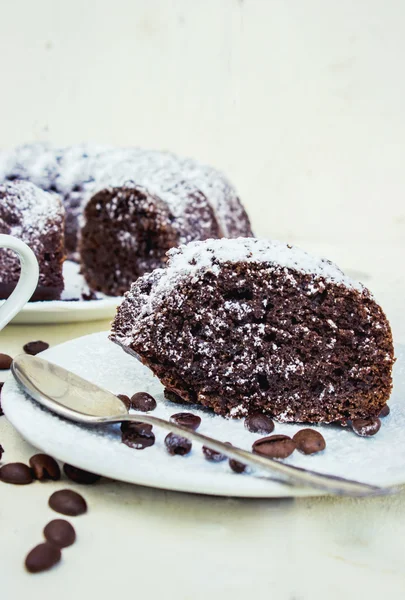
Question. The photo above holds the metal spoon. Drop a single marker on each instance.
(76, 399)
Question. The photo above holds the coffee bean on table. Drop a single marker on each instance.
(34, 348)
(68, 502)
(212, 455)
(186, 419)
(259, 423)
(274, 446)
(143, 402)
(137, 435)
(5, 362)
(1, 451)
(177, 445)
(309, 441)
(384, 412)
(366, 427)
(44, 467)
(42, 557)
(125, 399)
(16, 473)
(80, 475)
(60, 533)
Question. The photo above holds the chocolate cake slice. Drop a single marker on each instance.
(248, 325)
(153, 202)
(37, 218)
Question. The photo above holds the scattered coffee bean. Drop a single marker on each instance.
(177, 445)
(125, 399)
(385, 411)
(16, 473)
(44, 467)
(60, 533)
(237, 466)
(366, 427)
(274, 446)
(173, 397)
(137, 435)
(80, 475)
(186, 419)
(213, 455)
(34, 348)
(143, 402)
(1, 411)
(309, 441)
(1, 451)
(90, 295)
(42, 557)
(5, 362)
(259, 423)
(68, 502)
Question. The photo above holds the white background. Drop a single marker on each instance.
(301, 102)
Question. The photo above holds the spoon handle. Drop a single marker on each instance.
(287, 473)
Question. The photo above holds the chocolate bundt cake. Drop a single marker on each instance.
(126, 207)
(247, 325)
(37, 218)
(130, 225)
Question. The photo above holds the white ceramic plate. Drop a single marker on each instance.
(379, 460)
(72, 307)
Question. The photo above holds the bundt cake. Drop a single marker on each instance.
(37, 218)
(245, 325)
(126, 207)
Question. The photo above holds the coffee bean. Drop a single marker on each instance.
(90, 295)
(1, 411)
(384, 412)
(5, 362)
(237, 466)
(177, 445)
(366, 427)
(173, 397)
(34, 348)
(143, 402)
(309, 441)
(125, 399)
(42, 557)
(137, 435)
(60, 533)
(258, 423)
(16, 473)
(1, 451)
(213, 455)
(186, 419)
(44, 467)
(68, 502)
(80, 475)
(274, 446)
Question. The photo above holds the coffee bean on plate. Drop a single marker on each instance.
(143, 402)
(125, 399)
(44, 467)
(366, 427)
(60, 533)
(137, 435)
(16, 473)
(42, 557)
(259, 423)
(186, 419)
(309, 441)
(384, 412)
(36, 347)
(1, 451)
(274, 446)
(68, 502)
(212, 455)
(5, 362)
(80, 475)
(236, 466)
(178, 445)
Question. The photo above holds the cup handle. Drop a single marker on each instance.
(26, 284)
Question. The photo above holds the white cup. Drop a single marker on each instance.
(28, 279)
